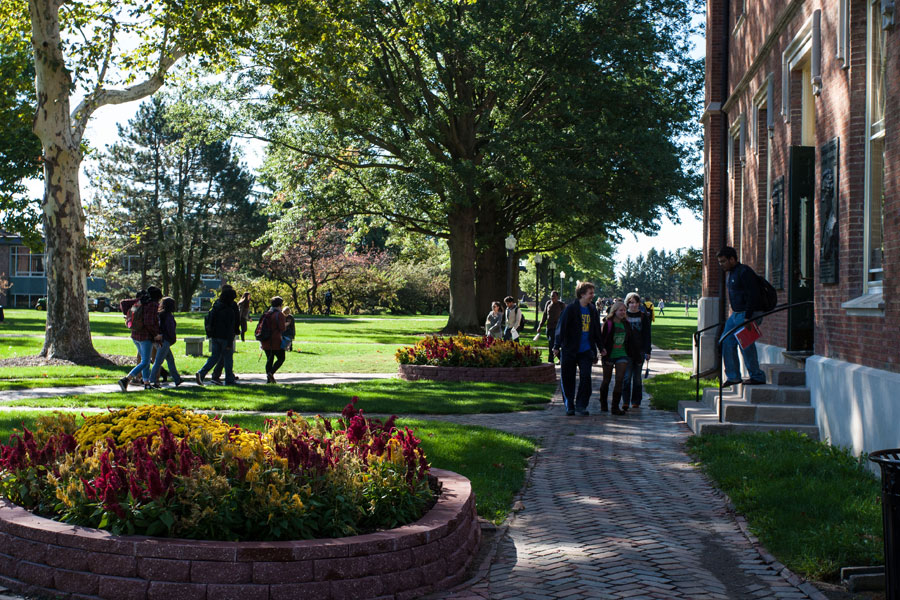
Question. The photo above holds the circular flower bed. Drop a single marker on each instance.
(164, 471)
(468, 351)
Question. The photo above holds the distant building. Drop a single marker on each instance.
(802, 177)
(25, 271)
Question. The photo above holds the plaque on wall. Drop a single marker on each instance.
(776, 238)
(828, 213)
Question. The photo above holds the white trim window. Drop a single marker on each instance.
(26, 264)
(876, 61)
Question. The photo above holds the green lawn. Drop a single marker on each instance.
(674, 332)
(391, 396)
(667, 389)
(813, 506)
(493, 461)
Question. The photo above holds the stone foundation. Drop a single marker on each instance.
(44, 557)
(544, 373)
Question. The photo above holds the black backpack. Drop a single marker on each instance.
(263, 330)
(208, 321)
(768, 297)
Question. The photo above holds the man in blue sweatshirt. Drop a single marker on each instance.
(744, 296)
(576, 341)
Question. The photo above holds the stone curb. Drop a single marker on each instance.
(542, 373)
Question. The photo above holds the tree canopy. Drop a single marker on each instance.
(469, 121)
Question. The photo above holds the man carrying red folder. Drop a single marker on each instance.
(744, 296)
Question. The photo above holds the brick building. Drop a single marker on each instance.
(802, 177)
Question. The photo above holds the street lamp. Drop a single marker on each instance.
(510, 243)
(538, 259)
(562, 283)
(552, 266)
(572, 283)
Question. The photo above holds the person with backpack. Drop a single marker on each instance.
(221, 327)
(143, 320)
(576, 342)
(216, 377)
(329, 298)
(745, 297)
(268, 331)
(512, 319)
(164, 352)
(244, 312)
(552, 311)
(621, 348)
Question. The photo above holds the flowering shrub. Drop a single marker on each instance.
(468, 351)
(159, 470)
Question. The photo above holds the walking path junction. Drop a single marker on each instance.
(613, 508)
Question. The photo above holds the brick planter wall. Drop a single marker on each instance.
(44, 557)
(544, 373)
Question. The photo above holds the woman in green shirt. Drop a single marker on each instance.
(620, 345)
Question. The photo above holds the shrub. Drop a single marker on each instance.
(164, 471)
(468, 351)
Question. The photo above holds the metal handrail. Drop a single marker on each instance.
(719, 339)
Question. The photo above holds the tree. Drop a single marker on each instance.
(180, 203)
(689, 270)
(105, 54)
(467, 121)
(21, 150)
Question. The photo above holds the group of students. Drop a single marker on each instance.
(151, 319)
(580, 338)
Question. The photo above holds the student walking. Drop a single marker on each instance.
(577, 339)
(661, 306)
(621, 348)
(244, 313)
(552, 312)
(221, 328)
(143, 319)
(512, 318)
(493, 324)
(290, 330)
(633, 388)
(167, 327)
(744, 296)
(272, 322)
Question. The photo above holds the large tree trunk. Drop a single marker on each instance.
(68, 333)
(463, 309)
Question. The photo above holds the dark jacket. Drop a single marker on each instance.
(290, 329)
(167, 326)
(643, 332)
(632, 340)
(568, 330)
(150, 312)
(223, 320)
(743, 289)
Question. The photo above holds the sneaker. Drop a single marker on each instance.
(635, 406)
(570, 413)
(123, 384)
(616, 411)
(754, 382)
(582, 413)
(198, 378)
(216, 381)
(731, 382)
(179, 382)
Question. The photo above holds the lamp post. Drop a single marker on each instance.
(562, 284)
(552, 272)
(510, 243)
(572, 283)
(538, 259)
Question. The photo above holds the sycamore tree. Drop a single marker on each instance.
(464, 120)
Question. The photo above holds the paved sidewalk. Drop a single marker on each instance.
(614, 509)
(10, 397)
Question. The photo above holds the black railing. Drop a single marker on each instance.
(719, 339)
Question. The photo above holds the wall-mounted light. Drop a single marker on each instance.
(888, 8)
(770, 106)
(816, 58)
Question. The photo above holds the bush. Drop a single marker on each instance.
(468, 351)
(164, 471)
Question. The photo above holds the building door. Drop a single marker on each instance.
(800, 284)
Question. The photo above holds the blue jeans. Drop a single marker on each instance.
(220, 349)
(582, 361)
(142, 367)
(730, 349)
(633, 386)
(164, 353)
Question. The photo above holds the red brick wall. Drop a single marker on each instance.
(839, 112)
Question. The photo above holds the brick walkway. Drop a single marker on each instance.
(614, 509)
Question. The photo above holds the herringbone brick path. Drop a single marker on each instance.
(614, 509)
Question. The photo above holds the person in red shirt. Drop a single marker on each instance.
(272, 345)
(144, 331)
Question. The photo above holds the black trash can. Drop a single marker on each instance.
(889, 461)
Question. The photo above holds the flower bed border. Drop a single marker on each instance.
(44, 557)
(543, 373)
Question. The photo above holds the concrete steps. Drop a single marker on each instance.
(781, 405)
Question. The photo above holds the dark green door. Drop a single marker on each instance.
(800, 284)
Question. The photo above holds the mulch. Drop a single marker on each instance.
(103, 360)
